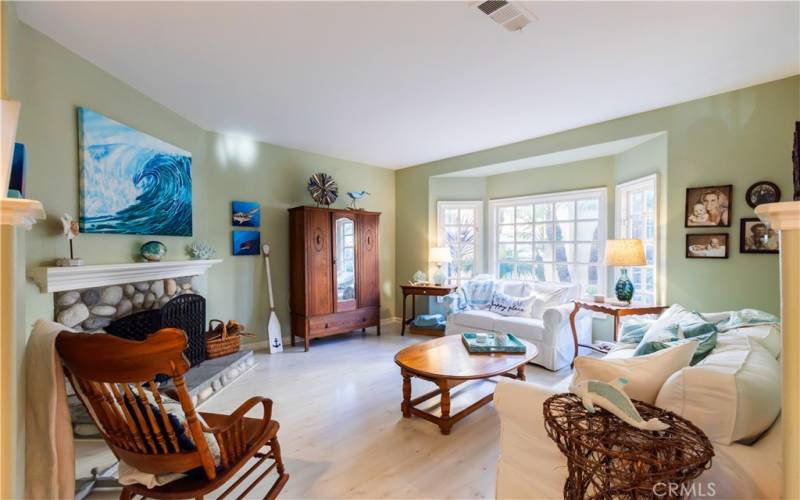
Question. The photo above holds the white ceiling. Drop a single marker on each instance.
(400, 83)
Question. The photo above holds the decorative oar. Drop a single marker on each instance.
(273, 326)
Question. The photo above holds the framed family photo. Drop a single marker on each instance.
(756, 237)
(762, 192)
(708, 206)
(707, 246)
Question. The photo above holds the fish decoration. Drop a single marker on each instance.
(244, 217)
(355, 196)
(611, 396)
(323, 189)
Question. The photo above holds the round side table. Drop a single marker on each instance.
(607, 458)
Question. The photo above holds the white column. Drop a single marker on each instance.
(13, 214)
(785, 217)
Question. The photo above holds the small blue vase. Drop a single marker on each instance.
(624, 287)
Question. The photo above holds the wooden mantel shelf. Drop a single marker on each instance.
(59, 279)
(20, 212)
(782, 216)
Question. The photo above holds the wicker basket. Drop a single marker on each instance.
(224, 339)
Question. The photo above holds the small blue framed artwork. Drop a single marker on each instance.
(16, 183)
(246, 243)
(245, 213)
(131, 182)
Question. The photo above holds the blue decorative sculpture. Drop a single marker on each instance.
(354, 196)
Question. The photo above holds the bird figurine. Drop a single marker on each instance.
(355, 196)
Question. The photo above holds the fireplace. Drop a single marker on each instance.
(186, 312)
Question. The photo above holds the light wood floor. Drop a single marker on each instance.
(342, 434)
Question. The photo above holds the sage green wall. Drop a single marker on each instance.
(51, 82)
(738, 137)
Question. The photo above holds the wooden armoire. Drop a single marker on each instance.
(334, 260)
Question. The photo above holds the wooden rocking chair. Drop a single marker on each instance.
(114, 377)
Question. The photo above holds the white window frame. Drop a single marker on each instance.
(621, 229)
(477, 205)
(602, 229)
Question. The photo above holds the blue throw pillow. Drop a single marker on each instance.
(678, 325)
(633, 328)
(707, 343)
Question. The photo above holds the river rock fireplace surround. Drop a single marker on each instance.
(134, 300)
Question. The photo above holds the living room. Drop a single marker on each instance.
(335, 183)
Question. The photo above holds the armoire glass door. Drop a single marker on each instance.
(345, 262)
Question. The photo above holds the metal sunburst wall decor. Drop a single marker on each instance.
(323, 189)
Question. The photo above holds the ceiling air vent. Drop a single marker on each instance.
(509, 15)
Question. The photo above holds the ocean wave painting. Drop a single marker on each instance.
(131, 182)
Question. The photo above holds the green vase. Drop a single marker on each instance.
(624, 287)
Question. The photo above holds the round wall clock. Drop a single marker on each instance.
(323, 189)
(762, 192)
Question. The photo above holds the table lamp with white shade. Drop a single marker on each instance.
(439, 256)
(621, 253)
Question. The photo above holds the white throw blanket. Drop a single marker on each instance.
(50, 454)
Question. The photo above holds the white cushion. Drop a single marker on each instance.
(515, 288)
(510, 305)
(527, 328)
(768, 335)
(646, 374)
(548, 294)
(734, 394)
(475, 318)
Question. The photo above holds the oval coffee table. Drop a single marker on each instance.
(447, 363)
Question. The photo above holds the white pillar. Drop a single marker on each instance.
(785, 217)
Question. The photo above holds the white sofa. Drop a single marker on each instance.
(531, 466)
(551, 334)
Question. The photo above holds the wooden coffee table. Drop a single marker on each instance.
(446, 362)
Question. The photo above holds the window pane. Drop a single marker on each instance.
(649, 197)
(505, 251)
(544, 212)
(506, 233)
(544, 272)
(524, 232)
(565, 231)
(467, 236)
(544, 252)
(506, 215)
(565, 252)
(451, 236)
(525, 251)
(565, 210)
(506, 270)
(467, 269)
(564, 273)
(588, 209)
(637, 202)
(544, 232)
(587, 231)
(451, 216)
(586, 252)
(525, 213)
(635, 225)
(524, 272)
(649, 280)
(467, 216)
(649, 228)
(649, 253)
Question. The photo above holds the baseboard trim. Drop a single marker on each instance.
(264, 344)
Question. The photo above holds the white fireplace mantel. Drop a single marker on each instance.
(59, 279)
(20, 212)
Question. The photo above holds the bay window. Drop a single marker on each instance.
(552, 237)
(459, 229)
(635, 213)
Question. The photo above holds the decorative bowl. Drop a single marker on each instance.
(152, 251)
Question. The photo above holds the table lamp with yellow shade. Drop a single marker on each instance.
(620, 253)
(439, 256)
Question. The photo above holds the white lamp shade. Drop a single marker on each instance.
(440, 255)
(625, 253)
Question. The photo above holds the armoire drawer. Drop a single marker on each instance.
(330, 324)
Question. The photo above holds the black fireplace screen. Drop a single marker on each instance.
(187, 312)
